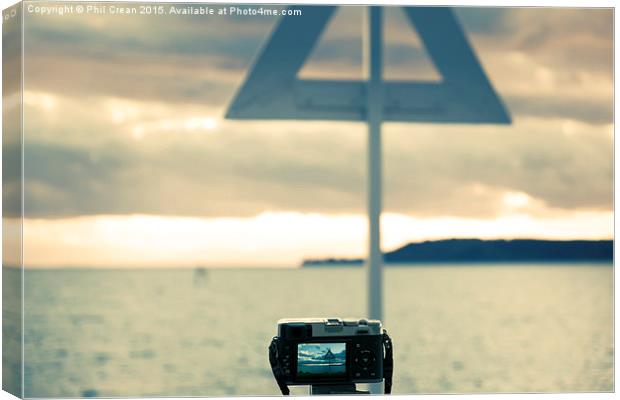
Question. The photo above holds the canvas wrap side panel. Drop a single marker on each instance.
(12, 210)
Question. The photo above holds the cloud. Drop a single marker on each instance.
(530, 54)
(242, 168)
(179, 59)
(123, 116)
(477, 164)
(582, 107)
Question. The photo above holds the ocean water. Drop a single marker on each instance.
(456, 329)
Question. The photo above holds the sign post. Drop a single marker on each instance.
(374, 100)
(464, 95)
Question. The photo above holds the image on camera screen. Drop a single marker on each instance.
(321, 359)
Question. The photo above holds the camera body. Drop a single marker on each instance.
(318, 351)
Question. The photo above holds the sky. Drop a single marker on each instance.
(130, 162)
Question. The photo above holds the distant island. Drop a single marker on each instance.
(476, 250)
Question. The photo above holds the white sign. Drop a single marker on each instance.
(272, 90)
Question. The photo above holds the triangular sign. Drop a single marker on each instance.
(272, 89)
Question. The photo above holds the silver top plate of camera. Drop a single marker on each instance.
(325, 327)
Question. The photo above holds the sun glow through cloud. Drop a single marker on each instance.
(43, 101)
(268, 239)
(142, 169)
(188, 125)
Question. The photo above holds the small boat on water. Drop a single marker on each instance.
(200, 276)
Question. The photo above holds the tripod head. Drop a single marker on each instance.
(344, 388)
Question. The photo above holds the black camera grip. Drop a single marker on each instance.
(388, 363)
(275, 366)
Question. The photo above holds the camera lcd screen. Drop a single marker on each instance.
(321, 360)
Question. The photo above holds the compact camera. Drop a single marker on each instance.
(331, 352)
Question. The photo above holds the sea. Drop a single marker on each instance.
(466, 328)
